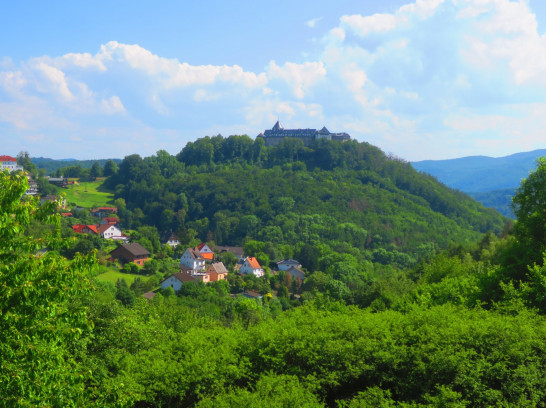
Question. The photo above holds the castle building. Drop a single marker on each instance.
(277, 133)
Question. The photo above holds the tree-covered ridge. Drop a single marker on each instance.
(234, 189)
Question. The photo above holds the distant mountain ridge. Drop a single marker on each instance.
(479, 174)
(52, 165)
(490, 180)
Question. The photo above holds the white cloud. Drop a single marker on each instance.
(313, 22)
(301, 77)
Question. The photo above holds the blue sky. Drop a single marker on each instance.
(423, 79)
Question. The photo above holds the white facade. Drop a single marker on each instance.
(192, 259)
(249, 269)
(112, 232)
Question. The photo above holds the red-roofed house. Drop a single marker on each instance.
(110, 221)
(104, 211)
(205, 251)
(252, 266)
(85, 229)
(9, 163)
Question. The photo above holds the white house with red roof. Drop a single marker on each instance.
(252, 266)
(9, 163)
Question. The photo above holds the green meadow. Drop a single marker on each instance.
(112, 275)
(88, 194)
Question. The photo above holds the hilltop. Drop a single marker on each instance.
(235, 189)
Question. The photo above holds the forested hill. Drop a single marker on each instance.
(233, 189)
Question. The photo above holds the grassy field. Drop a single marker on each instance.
(113, 275)
(87, 194)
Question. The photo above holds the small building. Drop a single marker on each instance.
(252, 266)
(173, 241)
(110, 232)
(287, 264)
(205, 251)
(131, 253)
(104, 211)
(85, 229)
(57, 181)
(192, 259)
(237, 251)
(217, 271)
(296, 274)
(176, 281)
(9, 163)
(109, 221)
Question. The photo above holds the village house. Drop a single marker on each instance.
(176, 281)
(85, 229)
(217, 271)
(112, 232)
(109, 221)
(287, 264)
(205, 251)
(296, 274)
(173, 241)
(131, 253)
(237, 251)
(9, 163)
(193, 260)
(252, 266)
(104, 211)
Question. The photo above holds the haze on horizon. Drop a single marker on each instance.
(423, 79)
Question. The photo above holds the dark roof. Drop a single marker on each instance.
(136, 249)
(184, 277)
(238, 251)
(292, 269)
(289, 261)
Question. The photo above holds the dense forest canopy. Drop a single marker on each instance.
(231, 190)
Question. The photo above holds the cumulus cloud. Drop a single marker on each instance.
(433, 78)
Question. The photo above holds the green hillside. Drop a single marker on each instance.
(231, 190)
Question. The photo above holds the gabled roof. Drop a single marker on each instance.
(292, 269)
(184, 277)
(135, 249)
(218, 267)
(6, 158)
(253, 262)
(104, 227)
(237, 251)
(172, 237)
(110, 220)
(195, 254)
(80, 227)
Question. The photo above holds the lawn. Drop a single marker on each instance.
(87, 194)
(113, 275)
